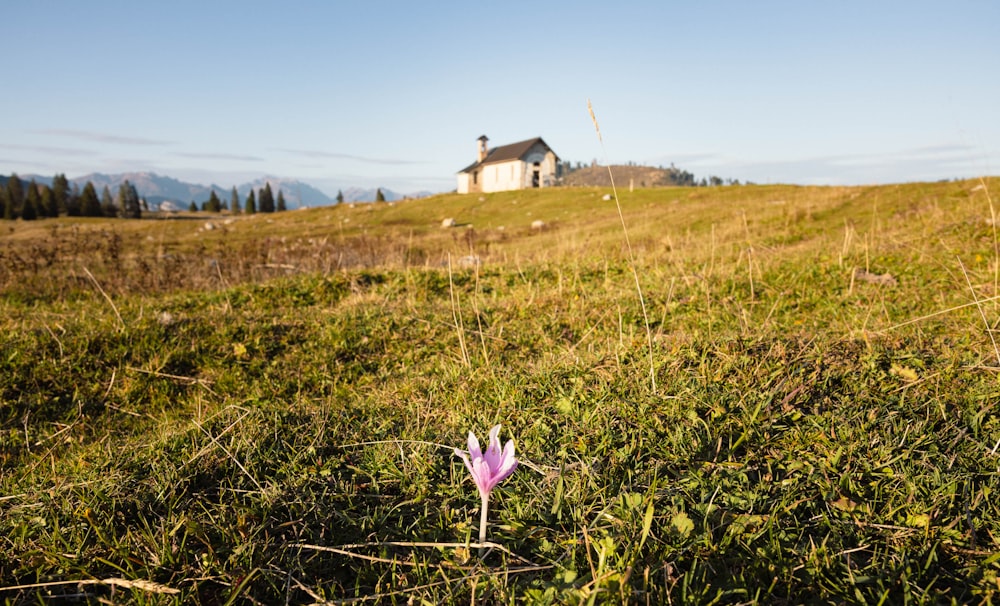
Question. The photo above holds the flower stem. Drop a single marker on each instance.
(482, 524)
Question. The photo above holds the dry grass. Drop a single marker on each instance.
(264, 412)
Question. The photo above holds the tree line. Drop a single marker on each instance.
(31, 201)
(265, 203)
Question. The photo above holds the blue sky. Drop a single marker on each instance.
(394, 94)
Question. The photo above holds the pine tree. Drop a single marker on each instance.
(213, 205)
(119, 199)
(73, 201)
(251, 207)
(29, 211)
(90, 204)
(15, 197)
(129, 200)
(108, 207)
(60, 194)
(234, 201)
(340, 197)
(280, 206)
(379, 196)
(193, 207)
(48, 207)
(266, 201)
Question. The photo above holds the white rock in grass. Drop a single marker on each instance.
(449, 222)
(538, 224)
(469, 261)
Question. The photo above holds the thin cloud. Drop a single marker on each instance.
(931, 158)
(932, 153)
(943, 149)
(930, 162)
(220, 157)
(99, 137)
(32, 168)
(49, 150)
(313, 153)
(916, 164)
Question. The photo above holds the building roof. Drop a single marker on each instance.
(506, 153)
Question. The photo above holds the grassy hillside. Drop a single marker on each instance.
(265, 411)
(627, 175)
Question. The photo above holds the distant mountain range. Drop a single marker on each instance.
(172, 194)
(358, 194)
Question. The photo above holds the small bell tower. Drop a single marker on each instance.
(483, 149)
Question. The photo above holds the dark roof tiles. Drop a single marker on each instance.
(505, 153)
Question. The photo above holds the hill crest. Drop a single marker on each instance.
(624, 174)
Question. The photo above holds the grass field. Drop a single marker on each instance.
(264, 411)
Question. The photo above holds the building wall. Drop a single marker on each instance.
(546, 160)
(472, 182)
(502, 176)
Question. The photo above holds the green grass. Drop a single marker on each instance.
(264, 412)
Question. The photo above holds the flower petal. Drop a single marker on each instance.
(507, 463)
(483, 478)
(492, 467)
(508, 450)
(465, 458)
(492, 454)
(474, 451)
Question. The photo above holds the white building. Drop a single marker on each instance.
(521, 165)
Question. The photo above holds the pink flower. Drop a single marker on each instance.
(488, 469)
(492, 467)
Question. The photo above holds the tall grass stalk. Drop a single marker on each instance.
(982, 314)
(628, 246)
(996, 239)
(746, 229)
(456, 314)
(114, 308)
